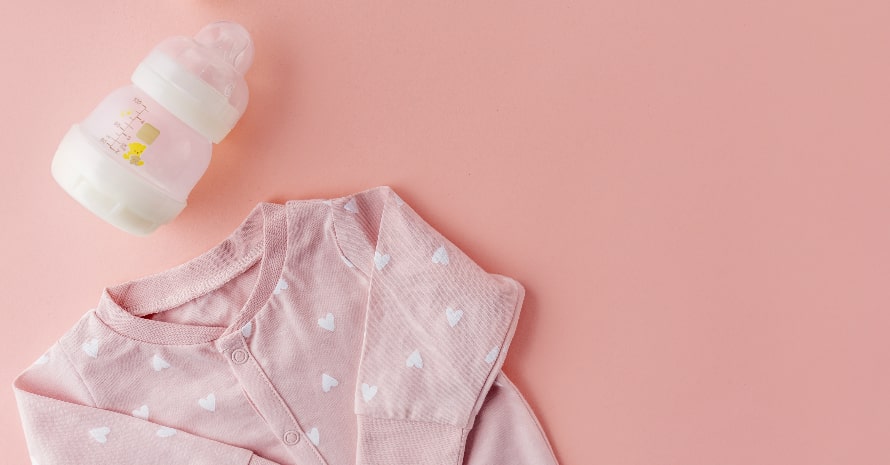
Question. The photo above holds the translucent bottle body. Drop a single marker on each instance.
(131, 162)
(141, 135)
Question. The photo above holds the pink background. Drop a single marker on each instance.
(694, 193)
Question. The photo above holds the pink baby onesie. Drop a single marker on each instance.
(342, 331)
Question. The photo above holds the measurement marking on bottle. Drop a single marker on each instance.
(117, 139)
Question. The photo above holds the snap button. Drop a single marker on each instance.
(291, 437)
(239, 356)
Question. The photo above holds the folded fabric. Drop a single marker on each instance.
(341, 331)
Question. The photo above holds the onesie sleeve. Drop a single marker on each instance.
(437, 330)
(62, 425)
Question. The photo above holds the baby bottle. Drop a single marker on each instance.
(136, 157)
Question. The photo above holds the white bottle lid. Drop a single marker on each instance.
(116, 194)
(201, 80)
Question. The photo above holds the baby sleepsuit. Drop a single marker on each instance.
(339, 331)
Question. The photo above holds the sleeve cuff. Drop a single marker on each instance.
(399, 442)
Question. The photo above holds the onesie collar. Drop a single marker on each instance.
(262, 236)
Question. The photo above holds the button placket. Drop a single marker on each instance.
(267, 400)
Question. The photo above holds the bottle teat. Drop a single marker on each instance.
(231, 41)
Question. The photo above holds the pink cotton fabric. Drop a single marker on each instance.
(341, 331)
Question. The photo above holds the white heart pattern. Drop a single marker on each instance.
(91, 347)
(42, 360)
(492, 355)
(208, 403)
(453, 316)
(141, 412)
(440, 256)
(380, 260)
(327, 322)
(100, 434)
(158, 363)
(368, 392)
(282, 285)
(313, 436)
(247, 329)
(414, 360)
(165, 432)
(351, 206)
(327, 382)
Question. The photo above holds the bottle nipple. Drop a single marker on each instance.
(230, 41)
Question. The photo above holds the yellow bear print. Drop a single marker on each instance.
(134, 154)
